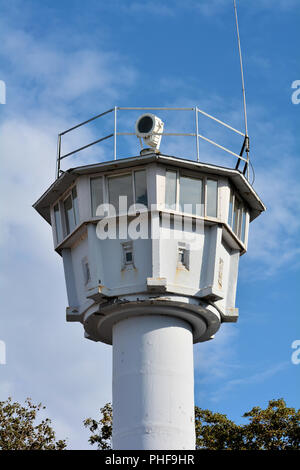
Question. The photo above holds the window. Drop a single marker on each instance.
(230, 209)
(191, 194)
(211, 197)
(120, 186)
(75, 204)
(183, 260)
(133, 186)
(237, 216)
(71, 211)
(127, 254)
(140, 184)
(58, 225)
(243, 229)
(190, 199)
(96, 194)
(171, 177)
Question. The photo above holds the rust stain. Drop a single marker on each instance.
(220, 275)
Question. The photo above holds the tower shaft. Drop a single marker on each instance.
(153, 383)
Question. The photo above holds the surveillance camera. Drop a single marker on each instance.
(149, 127)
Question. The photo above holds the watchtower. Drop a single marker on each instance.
(151, 247)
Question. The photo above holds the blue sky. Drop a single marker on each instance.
(64, 61)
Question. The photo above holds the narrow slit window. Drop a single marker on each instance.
(236, 217)
(69, 214)
(58, 225)
(212, 198)
(230, 213)
(140, 183)
(243, 228)
(170, 196)
(183, 256)
(127, 254)
(75, 205)
(190, 200)
(96, 194)
(71, 211)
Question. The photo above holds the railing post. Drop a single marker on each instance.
(197, 132)
(115, 134)
(58, 156)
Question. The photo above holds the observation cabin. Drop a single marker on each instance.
(162, 259)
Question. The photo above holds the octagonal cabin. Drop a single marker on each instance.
(217, 204)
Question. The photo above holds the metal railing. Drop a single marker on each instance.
(195, 134)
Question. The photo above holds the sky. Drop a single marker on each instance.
(65, 61)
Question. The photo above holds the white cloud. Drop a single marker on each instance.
(256, 378)
(47, 358)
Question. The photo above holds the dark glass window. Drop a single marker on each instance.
(140, 182)
(212, 198)
(96, 194)
(120, 186)
(170, 196)
(190, 199)
(230, 213)
(58, 225)
(71, 211)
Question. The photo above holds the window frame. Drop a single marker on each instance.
(66, 223)
(243, 211)
(105, 186)
(103, 191)
(57, 239)
(206, 198)
(126, 248)
(203, 178)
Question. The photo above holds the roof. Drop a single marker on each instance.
(66, 179)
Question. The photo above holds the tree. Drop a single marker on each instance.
(19, 430)
(101, 430)
(214, 431)
(275, 428)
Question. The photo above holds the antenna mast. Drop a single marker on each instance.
(246, 141)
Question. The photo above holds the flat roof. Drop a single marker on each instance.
(67, 178)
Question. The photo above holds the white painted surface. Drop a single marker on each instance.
(153, 384)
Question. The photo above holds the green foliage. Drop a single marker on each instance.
(101, 430)
(19, 430)
(275, 428)
(214, 431)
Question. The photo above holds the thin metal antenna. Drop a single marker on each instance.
(246, 143)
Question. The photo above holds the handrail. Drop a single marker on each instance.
(115, 133)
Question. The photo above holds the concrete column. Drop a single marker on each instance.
(153, 384)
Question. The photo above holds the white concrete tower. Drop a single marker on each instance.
(154, 280)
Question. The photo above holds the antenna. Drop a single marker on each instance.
(246, 141)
